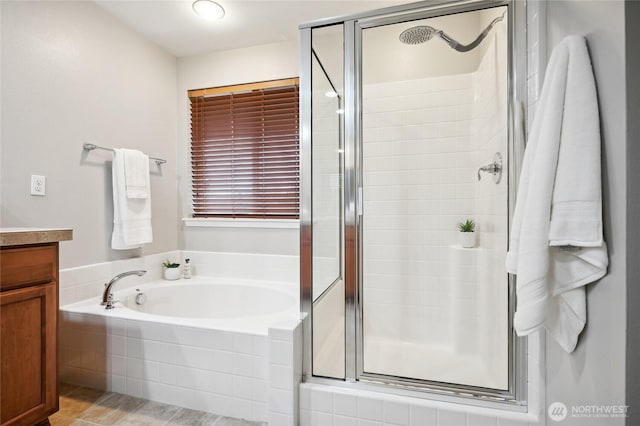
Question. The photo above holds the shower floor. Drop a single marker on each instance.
(434, 363)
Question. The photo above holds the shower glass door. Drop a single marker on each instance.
(327, 129)
(433, 114)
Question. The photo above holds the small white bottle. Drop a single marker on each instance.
(186, 269)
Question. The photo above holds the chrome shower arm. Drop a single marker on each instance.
(422, 33)
(467, 47)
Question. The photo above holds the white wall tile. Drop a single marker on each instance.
(280, 352)
(243, 365)
(422, 416)
(134, 348)
(134, 387)
(222, 361)
(195, 357)
(322, 400)
(116, 383)
(134, 368)
(345, 404)
(281, 376)
(283, 419)
(395, 412)
(477, 420)
(511, 422)
(369, 408)
(116, 345)
(260, 411)
(168, 373)
(142, 360)
(344, 421)
(365, 422)
(243, 387)
(280, 401)
(451, 418)
(243, 343)
(260, 392)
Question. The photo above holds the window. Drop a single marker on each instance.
(245, 150)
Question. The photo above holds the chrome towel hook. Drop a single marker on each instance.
(494, 168)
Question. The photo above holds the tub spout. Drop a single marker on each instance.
(107, 296)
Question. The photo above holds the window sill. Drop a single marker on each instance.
(241, 223)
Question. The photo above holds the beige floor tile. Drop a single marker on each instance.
(75, 403)
(186, 417)
(230, 421)
(80, 406)
(59, 420)
(111, 409)
(149, 414)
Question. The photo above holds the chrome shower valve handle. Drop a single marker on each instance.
(494, 168)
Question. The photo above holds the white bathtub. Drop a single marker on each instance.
(205, 343)
(222, 304)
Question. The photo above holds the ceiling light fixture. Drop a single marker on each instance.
(207, 9)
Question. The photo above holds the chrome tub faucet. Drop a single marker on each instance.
(107, 296)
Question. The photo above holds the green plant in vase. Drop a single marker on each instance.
(467, 231)
(171, 270)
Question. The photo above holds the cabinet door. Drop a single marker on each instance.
(28, 334)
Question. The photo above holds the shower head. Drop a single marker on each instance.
(417, 35)
(422, 33)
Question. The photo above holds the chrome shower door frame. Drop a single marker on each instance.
(515, 397)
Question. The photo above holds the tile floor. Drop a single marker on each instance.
(80, 406)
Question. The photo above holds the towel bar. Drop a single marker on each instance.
(91, 147)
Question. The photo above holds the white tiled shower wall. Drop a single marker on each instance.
(491, 209)
(419, 169)
(424, 141)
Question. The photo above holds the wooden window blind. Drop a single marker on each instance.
(245, 150)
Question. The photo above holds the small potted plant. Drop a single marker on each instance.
(467, 232)
(171, 270)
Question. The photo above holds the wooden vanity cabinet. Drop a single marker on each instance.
(28, 333)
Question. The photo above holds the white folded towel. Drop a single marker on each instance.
(556, 244)
(131, 216)
(136, 173)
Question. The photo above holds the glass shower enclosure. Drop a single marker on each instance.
(407, 132)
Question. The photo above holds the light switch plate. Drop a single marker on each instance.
(38, 185)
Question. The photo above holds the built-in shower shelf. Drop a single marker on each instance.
(459, 247)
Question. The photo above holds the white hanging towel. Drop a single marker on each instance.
(556, 244)
(136, 173)
(131, 216)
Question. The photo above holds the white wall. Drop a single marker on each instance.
(595, 372)
(258, 63)
(71, 74)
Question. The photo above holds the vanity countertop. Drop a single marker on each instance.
(23, 236)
